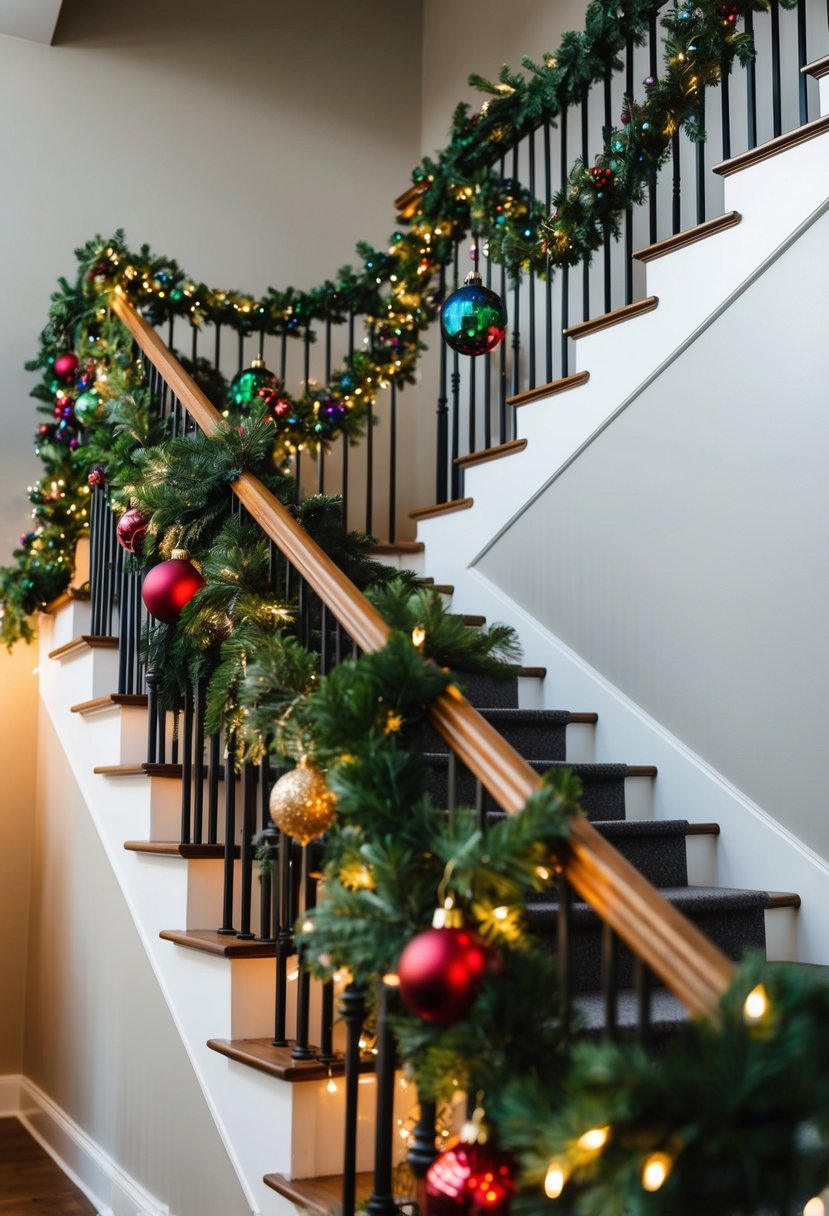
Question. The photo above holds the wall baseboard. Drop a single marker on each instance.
(93, 1171)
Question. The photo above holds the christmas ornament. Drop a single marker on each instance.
(301, 803)
(247, 385)
(98, 476)
(170, 585)
(441, 969)
(131, 527)
(88, 407)
(276, 405)
(473, 319)
(66, 366)
(471, 1175)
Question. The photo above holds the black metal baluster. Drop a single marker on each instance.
(269, 836)
(248, 832)
(643, 983)
(751, 87)
(725, 110)
(345, 458)
(187, 767)
(214, 765)
(610, 980)
(217, 345)
(585, 276)
(676, 208)
(629, 210)
(382, 1202)
(503, 420)
(473, 363)
(565, 270)
(488, 376)
(327, 1055)
(153, 680)
(653, 51)
(608, 243)
(531, 378)
(802, 60)
(392, 533)
(442, 446)
(548, 274)
(198, 763)
(564, 931)
(515, 319)
(302, 1047)
(353, 1012)
(701, 162)
(327, 372)
(230, 836)
(284, 941)
(776, 97)
(422, 1148)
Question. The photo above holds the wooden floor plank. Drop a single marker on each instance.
(30, 1182)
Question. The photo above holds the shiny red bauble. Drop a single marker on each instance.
(470, 1178)
(440, 974)
(130, 529)
(65, 366)
(169, 586)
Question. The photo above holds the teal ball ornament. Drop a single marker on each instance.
(251, 383)
(89, 406)
(473, 319)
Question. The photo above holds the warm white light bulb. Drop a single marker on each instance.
(756, 1004)
(555, 1180)
(815, 1207)
(655, 1170)
(594, 1139)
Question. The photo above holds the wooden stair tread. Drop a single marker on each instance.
(86, 641)
(533, 673)
(784, 899)
(123, 700)
(800, 135)
(442, 508)
(689, 237)
(208, 941)
(276, 1061)
(138, 770)
(703, 829)
(604, 321)
(173, 848)
(398, 546)
(818, 68)
(319, 1196)
(68, 597)
(549, 390)
(589, 719)
(471, 618)
(483, 455)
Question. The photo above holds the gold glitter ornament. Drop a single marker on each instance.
(301, 804)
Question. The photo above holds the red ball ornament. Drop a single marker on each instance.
(65, 366)
(441, 971)
(170, 585)
(130, 529)
(470, 1178)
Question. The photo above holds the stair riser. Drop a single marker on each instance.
(733, 931)
(601, 799)
(120, 734)
(531, 740)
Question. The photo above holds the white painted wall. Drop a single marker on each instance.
(681, 553)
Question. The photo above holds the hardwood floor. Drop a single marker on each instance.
(30, 1182)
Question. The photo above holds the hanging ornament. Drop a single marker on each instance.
(89, 406)
(170, 585)
(66, 366)
(473, 319)
(247, 385)
(471, 1175)
(131, 527)
(441, 970)
(277, 406)
(85, 376)
(301, 803)
(98, 476)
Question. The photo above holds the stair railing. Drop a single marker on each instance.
(663, 943)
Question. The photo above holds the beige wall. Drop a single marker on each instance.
(255, 143)
(18, 719)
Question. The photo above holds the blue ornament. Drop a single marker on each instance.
(473, 319)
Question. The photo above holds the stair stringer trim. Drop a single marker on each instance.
(252, 1113)
(754, 850)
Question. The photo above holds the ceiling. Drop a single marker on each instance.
(34, 20)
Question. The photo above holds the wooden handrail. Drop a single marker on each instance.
(694, 969)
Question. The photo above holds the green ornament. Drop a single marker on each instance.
(89, 407)
(246, 387)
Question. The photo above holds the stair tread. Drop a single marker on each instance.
(86, 641)
(654, 827)
(626, 313)
(509, 716)
(483, 455)
(596, 772)
(782, 143)
(121, 700)
(173, 848)
(689, 236)
(442, 508)
(319, 1196)
(276, 1061)
(691, 899)
(208, 941)
(561, 385)
(144, 769)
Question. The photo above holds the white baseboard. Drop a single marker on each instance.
(93, 1171)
